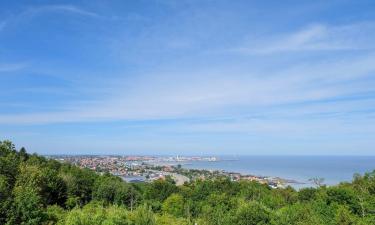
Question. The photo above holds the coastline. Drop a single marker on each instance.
(334, 169)
(295, 171)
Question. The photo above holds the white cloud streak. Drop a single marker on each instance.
(9, 67)
(2, 25)
(194, 94)
(34, 11)
(65, 8)
(317, 37)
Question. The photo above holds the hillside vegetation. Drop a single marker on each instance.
(36, 190)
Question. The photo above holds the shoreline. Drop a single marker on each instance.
(295, 172)
(230, 173)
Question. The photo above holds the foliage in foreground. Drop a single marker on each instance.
(36, 190)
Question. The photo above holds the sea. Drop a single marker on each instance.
(334, 169)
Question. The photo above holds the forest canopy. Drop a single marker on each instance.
(37, 190)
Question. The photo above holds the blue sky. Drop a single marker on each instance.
(188, 77)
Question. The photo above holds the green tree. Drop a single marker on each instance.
(113, 190)
(9, 161)
(27, 207)
(343, 195)
(90, 214)
(252, 213)
(364, 187)
(252, 190)
(159, 190)
(143, 215)
(302, 214)
(306, 194)
(174, 205)
(23, 155)
(45, 181)
(116, 215)
(5, 198)
(79, 183)
(343, 216)
(55, 214)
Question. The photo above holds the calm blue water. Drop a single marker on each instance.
(334, 169)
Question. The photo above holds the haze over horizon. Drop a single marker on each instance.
(192, 77)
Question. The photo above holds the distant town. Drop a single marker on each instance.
(150, 168)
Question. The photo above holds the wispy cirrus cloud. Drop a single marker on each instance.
(316, 37)
(9, 67)
(65, 8)
(198, 93)
(2, 25)
(36, 10)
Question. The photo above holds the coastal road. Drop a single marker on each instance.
(180, 179)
